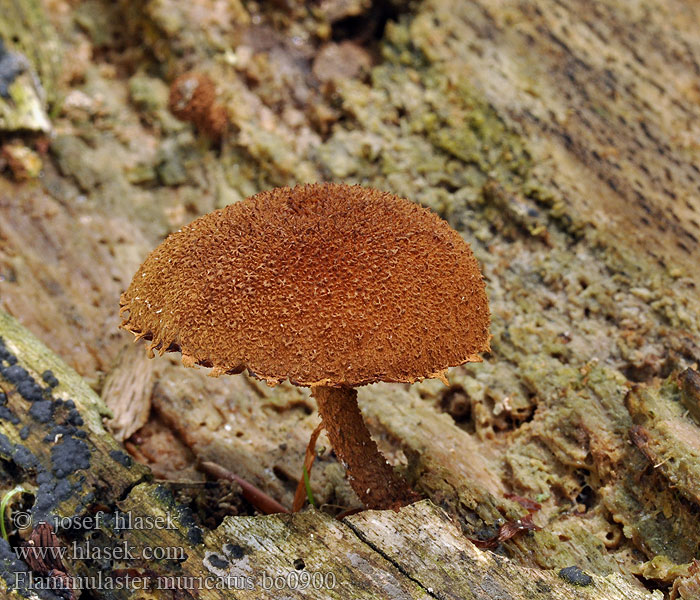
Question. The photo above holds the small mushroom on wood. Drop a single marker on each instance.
(193, 98)
(328, 285)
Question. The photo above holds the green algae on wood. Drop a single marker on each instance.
(23, 110)
(667, 436)
(470, 478)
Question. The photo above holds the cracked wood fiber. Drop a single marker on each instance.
(611, 113)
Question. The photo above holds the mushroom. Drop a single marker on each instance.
(193, 98)
(328, 285)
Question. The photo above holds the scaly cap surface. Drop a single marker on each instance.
(324, 284)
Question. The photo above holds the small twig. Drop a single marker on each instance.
(348, 512)
(183, 482)
(530, 505)
(302, 491)
(259, 499)
(135, 451)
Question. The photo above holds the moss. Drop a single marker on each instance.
(415, 119)
(23, 110)
(150, 96)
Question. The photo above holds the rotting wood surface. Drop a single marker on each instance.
(559, 139)
(418, 552)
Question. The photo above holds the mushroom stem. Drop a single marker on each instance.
(369, 474)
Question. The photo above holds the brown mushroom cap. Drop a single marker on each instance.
(324, 284)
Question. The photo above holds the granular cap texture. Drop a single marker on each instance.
(323, 284)
(193, 98)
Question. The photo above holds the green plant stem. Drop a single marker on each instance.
(3, 506)
(307, 485)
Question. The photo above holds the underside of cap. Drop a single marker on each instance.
(322, 284)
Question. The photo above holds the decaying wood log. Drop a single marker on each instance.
(127, 392)
(560, 139)
(79, 475)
